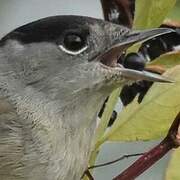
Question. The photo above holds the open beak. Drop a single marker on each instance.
(109, 58)
(143, 75)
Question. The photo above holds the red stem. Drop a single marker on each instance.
(146, 161)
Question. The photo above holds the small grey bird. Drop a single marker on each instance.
(55, 74)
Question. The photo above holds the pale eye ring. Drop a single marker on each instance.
(73, 44)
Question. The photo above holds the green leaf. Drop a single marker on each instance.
(168, 60)
(173, 172)
(112, 100)
(152, 118)
(175, 13)
(150, 14)
(110, 104)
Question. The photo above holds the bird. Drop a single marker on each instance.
(55, 74)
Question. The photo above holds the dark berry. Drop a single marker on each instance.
(134, 61)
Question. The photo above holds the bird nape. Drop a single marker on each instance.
(55, 75)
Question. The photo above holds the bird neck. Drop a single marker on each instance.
(59, 136)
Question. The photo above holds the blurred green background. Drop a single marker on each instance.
(175, 13)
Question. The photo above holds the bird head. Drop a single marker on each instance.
(63, 55)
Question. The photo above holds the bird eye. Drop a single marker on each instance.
(73, 44)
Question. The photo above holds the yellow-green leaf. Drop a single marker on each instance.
(112, 100)
(150, 14)
(173, 172)
(168, 60)
(153, 117)
(175, 13)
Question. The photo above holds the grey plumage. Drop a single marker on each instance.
(49, 100)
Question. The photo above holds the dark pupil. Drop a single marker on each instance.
(73, 42)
